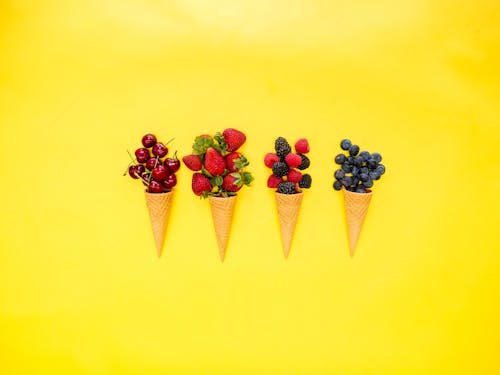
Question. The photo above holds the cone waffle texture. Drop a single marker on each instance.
(222, 214)
(288, 212)
(159, 209)
(356, 206)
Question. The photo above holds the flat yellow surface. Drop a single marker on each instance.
(81, 289)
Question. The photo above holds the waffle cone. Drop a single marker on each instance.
(159, 209)
(222, 214)
(356, 206)
(288, 212)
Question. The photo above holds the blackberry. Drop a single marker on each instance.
(287, 188)
(305, 162)
(280, 169)
(282, 147)
(305, 181)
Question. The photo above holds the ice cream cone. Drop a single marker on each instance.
(288, 212)
(159, 208)
(222, 214)
(356, 206)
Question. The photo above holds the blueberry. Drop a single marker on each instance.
(358, 161)
(347, 181)
(355, 171)
(360, 189)
(374, 175)
(355, 181)
(365, 155)
(345, 144)
(353, 150)
(364, 170)
(337, 185)
(339, 174)
(364, 177)
(380, 169)
(368, 184)
(350, 160)
(377, 157)
(372, 164)
(347, 168)
(340, 159)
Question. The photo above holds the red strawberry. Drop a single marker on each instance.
(294, 176)
(302, 146)
(273, 181)
(234, 139)
(293, 160)
(193, 162)
(270, 159)
(229, 185)
(214, 162)
(200, 183)
(230, 161)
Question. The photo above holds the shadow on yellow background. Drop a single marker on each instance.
(81, 289)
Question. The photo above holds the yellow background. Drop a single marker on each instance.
(81, 290)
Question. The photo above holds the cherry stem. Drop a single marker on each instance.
(126, 170)
(169, 141)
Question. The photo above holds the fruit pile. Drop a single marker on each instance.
(358, 170)
(152, 166)
(220, 169)
(286, 165)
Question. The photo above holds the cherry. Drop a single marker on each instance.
(135, 171)
(152, 162)
(148, 140)
(170, 181)
(142, 155)
(155, 187)
(160, 173)
(173, 164)
(160, 150)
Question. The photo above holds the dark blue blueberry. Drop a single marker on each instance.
(358, 161)
(350, 160)
(353, 150)
(345, 144)
(365, 155)
(372, 164)
(380, 169)
(364, 170)
(340, 159)
(355, 181)
(355, 171)
(347, 168)
(360, 189)
(339, 174)
(337, 185)
(377, 157)
(374, 175)
(347, 181)
(368, 184)
(364, 177)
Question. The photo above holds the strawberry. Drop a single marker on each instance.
(229, 184)
(230, 161)
(270, 159)
(302, 146)
(193, 162)
(294, 176)
(234, 139)
(273, 181)
(200, 183)
(214, 162)
(293, 160)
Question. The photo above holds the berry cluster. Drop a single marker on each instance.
(358, 170)
(152, 167)
(286, 165)
(220, 169)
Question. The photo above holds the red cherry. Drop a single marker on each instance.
(172, 164)
(142, 155)
(160, 173)
(160, 150)
(132, 172)
(152, 162)
(148, 140)
(170, 181)
(155, 187)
